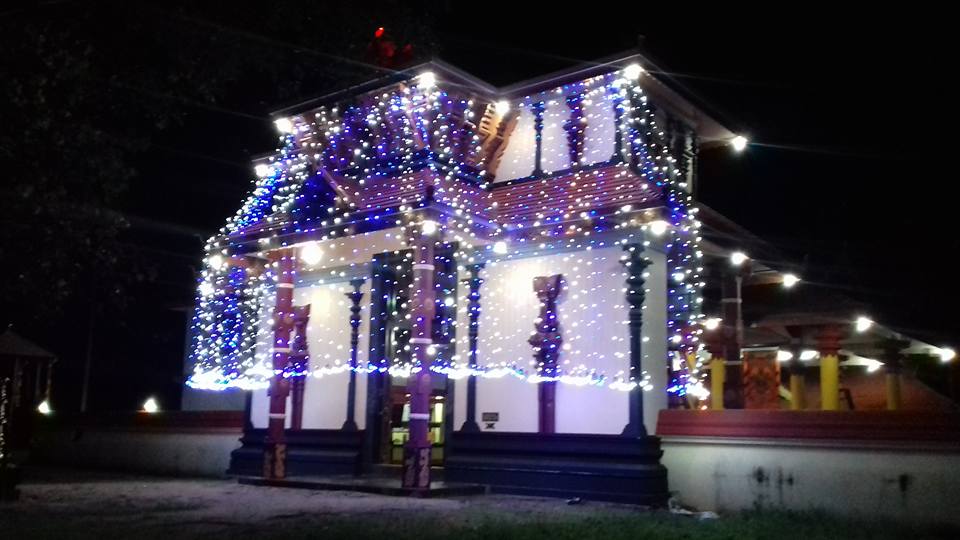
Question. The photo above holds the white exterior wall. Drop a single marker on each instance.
(861, 478)
(593, 319)
(519, 157)
(328, 339)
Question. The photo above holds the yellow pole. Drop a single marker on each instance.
(894, 398)
(830, 382)
(797, 391)
(718, 374)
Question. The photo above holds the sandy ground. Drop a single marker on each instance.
(63, 503)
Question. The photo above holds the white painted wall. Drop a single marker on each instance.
(910, 483)
(328, 339)
(519, 157)
(593, 317)
(555, 149)
(599, 135)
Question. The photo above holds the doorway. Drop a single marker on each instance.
(388, 406)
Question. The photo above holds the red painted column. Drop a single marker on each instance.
(416, 458)
(275, 445)
(299, 363)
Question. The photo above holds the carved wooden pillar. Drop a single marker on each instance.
(416, 459)
(538, 109)
(473, 310)
(299, 363)
(350, 424)
(731, 285)
(828, 342)
(636, 264)
(275, 445)
(546, 343)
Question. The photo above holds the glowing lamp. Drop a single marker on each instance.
(426, 80)
(789, 280)
(659, 227)
(262, 170)
(428, 227)
(311, 254)
(738, 257)
(739, 143)
(284, 125)
(500, 248)
(947, 354)
(712, 323)
(863, 324)
(502, 107)
(44, 408)
(151, 406)
(784, 356)
(808, 355)
(633, 71)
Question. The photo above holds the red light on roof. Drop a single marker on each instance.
(378, 33)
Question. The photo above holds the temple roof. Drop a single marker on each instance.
(13, 346)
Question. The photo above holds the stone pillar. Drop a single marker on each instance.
(828, 343)
(636, 264)
(546, 342)
(473, 310)
(416, 458)
(275, 445)
(893, 366)
(350, 424)
(718, 370)
(732, 326)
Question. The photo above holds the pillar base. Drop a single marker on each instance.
(275, 460)
(470, 426)
(416, 467)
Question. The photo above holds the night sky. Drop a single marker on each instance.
(847, 174)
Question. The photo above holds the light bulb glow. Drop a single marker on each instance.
(947, 354)
(784, 356)
(284, 125)
(216, 262)
(789, 280)
(808, 354)
(633, 71)
(712, 323)
(863, 324)
(659, 227)
(262, 170)
(428, 227)
(44, 408)
(502, 107)
(151, 406)
(427, 79)
(738, 257)
(311, 254)
(500, 248)
(739, 143)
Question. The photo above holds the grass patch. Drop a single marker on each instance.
(753, 525)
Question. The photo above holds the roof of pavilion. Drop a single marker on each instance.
(333, 197)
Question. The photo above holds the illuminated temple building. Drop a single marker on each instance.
(507, 283)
